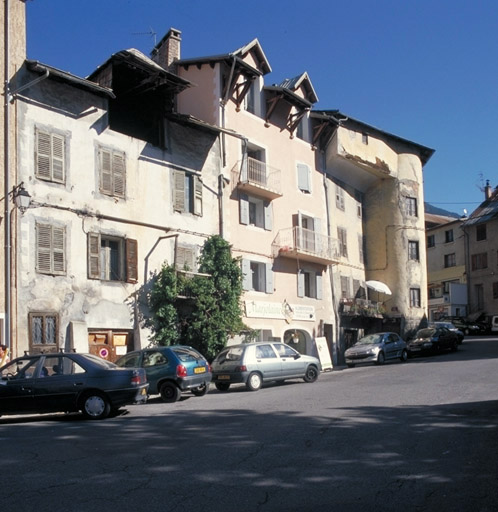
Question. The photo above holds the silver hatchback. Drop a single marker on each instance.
(377, 348)
(254, 363)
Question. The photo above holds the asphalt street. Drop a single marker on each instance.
(420, 436)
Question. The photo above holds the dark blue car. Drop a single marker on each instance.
(171, 370)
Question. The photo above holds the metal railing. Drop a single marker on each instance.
(260, 174)
(306, 241)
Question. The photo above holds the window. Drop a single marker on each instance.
(479, 296)
(50, 156)
(304, 178)
(411, 206)
(339, 198)
(265, 352)
(255, 212)
(112, 172)
(345, 287)
(479, 261)
(413, 252)
(257, 276)
(480, 232)
(364, 138)
(495, 290)
(252, 101)
(302, 131)
(431, 241)
(448, 236)
(50, 249)
(309, 284)
(112, 258)
(185, 259)
(187, 195)
(415, 297)
(343, 246)
(449, 260)
(44, 330)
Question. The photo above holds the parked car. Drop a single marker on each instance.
(253, 364)
(68, 382)
(451, 327)
(171, 370)
(376, 348)
(433, 340)
(468, 327)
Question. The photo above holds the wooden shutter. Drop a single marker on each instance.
(43, 155)
(105, 171)
(244, 209)
(43, 248)
(269, 278)
(319, 285)
(118, 174)
(131, 260)
(268, 213)
(317, 230)
(197, 196)
(93, 255)
(179, 191)
(58, 157)
(243, 169)
(59, 250)
(303, 177)
(246, 275)
(300, 283)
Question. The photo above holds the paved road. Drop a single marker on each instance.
(420, 436)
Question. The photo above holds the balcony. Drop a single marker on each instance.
(256, 177)
(361, 307)
(306, 245)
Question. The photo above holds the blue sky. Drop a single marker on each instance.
(425, 70)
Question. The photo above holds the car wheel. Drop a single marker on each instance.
(351, 365)
(404, 356)
(169, 392)
(222, 386)
(311, 374)
(381, 358)
(201, 390)
(95, 406)
(254, 381)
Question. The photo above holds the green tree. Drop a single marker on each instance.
(200, 311)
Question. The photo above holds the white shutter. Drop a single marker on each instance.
(268, 216)
(58, 158)
(303, 177)
(300, 283)
(319, 285)
(43, 155)
(105, 158)
(269, 278)
(43, 248)
(118, 174)
(179, 191)
(244, 209)
(197, 196)
(246, 275)
(59, 249)
(93, 255)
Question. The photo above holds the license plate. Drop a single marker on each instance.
(200, 369)
(223, 377)
(143, 392)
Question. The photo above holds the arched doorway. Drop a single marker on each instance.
(298, 340)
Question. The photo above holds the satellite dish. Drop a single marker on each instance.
(465, 212)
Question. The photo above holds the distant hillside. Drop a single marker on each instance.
(439, 211)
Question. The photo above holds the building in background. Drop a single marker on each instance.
(446, 273)
(481, 249)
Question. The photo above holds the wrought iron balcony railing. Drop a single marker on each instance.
(258, 177)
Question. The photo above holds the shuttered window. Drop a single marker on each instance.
(50, 249)
(187, 193)
(112, 172)
(257, 276)
(303, 178)
(112, 258)
(50, 156)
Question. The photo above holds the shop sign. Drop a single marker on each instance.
(279, 311)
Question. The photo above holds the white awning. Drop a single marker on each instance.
(378, 286)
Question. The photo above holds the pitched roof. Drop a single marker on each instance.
(486, 211)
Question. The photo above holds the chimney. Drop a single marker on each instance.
(487, 190)
(167, 51)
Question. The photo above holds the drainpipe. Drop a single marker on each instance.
(7, 234)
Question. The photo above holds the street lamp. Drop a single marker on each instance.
(21, 197)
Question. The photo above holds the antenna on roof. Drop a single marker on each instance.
(151, 33)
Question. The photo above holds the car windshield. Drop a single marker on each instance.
(426, 333)
(230, 354)
(371, 339)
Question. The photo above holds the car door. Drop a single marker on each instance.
(267, 362)
(58, 384)
(157, 365)
(292, 364)
(394, 344)
(16, 386)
